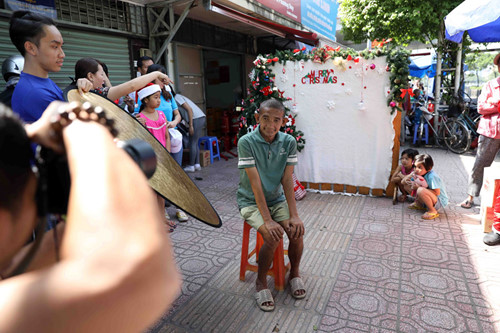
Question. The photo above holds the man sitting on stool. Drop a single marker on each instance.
(266, 158)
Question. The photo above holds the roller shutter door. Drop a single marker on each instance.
(110, 49)
(6, 47)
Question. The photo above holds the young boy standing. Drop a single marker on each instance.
(266, 197)
(40, 43)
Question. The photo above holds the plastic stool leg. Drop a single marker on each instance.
(279, 267)
(415, 133)
(426, 130)
(201, 140)
(244, 251)
(258, 244)
(218, 151)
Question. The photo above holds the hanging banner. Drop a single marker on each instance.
(341, 105)
(317, 15)
(289, 8)
(43, 7)
(320, 16)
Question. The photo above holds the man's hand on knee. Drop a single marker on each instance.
(274, 229)
(295, 227)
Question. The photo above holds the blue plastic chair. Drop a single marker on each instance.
(208, 143)
(426, 134)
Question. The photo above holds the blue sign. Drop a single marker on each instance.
(320, 16)
(43, 7)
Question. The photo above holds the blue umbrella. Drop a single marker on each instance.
(422, 66)
(480, 18)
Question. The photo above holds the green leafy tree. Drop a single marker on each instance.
(403, 20)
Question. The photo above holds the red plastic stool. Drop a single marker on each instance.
(278, 268)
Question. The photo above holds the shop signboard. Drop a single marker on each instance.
(289, 8)
(320, 16)
(44, 7)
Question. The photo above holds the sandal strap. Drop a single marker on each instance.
(264, 296)
(297, 284)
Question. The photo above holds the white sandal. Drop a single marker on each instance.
(181, 216)
(262, 297)
(297, 284)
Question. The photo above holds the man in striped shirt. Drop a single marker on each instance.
(266, 197)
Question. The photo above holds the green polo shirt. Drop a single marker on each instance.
(270, 159)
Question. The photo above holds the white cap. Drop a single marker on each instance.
(148, 91)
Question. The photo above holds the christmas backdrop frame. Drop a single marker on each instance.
(262, 79)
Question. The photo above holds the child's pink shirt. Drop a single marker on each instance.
(403, 170)
(157, 127)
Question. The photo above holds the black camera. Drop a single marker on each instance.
(54, 179)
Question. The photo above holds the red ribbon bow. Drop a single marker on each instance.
(409, 91)
(299, 185)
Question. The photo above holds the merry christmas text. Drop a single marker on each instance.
(320, 77)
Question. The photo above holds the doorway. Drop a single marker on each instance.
(223, 89)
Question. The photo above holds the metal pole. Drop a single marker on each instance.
(458, 69)
(173, 31)
(437, 81)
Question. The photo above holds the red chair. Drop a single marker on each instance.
(277, 270)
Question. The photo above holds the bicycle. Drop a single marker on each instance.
(470, 121)
(453, 133)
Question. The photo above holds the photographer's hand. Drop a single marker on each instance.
(114, 254)
(42, 132)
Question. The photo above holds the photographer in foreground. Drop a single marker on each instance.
(116, 271)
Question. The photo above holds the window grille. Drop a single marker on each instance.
(110, 14)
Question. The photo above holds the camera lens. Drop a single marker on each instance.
(142, 153)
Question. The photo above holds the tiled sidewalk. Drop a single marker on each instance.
(368, 266)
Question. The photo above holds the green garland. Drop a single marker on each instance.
(262, 78)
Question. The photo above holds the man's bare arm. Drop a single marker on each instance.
(295, 222)
(274, 228)
(287, 182)
(117, 272)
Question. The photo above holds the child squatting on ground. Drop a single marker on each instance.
(434, 196)
(266, 199)
(404, 170)
(156, 124)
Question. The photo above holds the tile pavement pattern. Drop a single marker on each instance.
(368, 266)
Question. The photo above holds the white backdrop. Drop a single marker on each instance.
(345, 119)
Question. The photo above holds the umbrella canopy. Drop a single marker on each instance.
(480, 18)
(422, 66)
